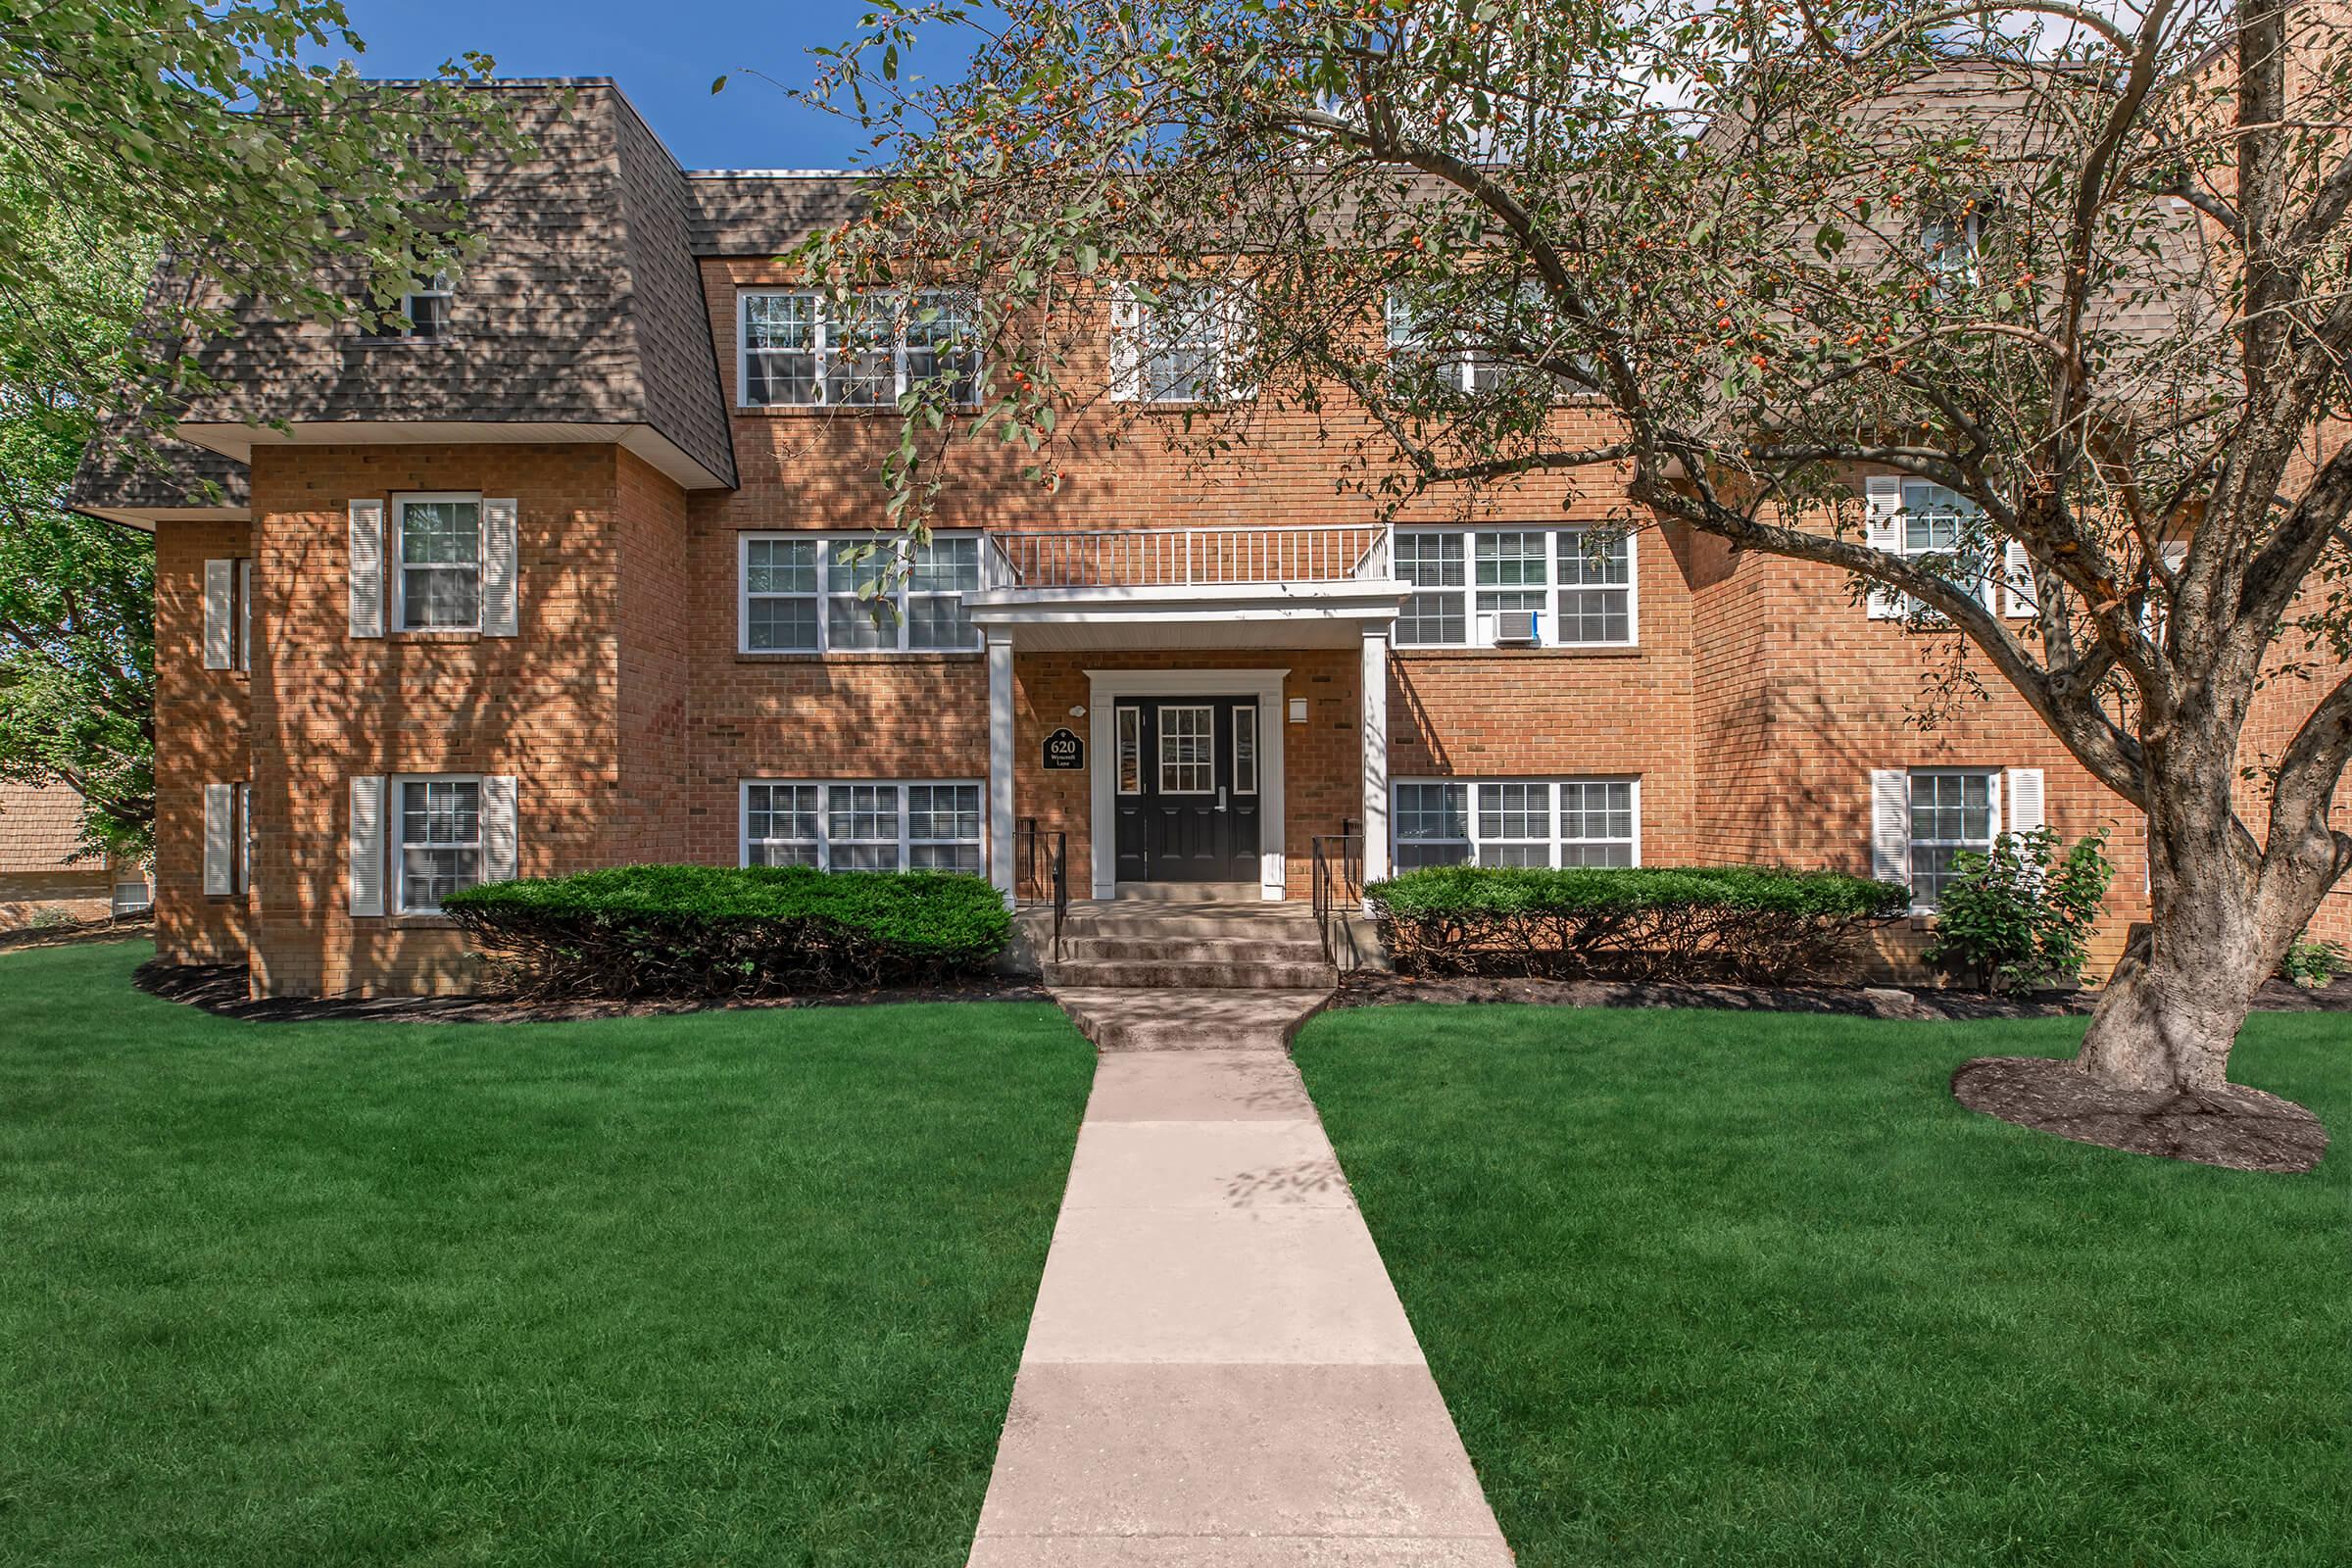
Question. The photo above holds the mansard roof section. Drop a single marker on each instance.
(583, 316)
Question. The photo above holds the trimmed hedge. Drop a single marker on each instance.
(1747, 924)
(723, 932)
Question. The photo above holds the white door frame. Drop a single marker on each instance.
(1106, 687)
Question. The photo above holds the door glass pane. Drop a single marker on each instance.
(1186, 750)
(1245, 750)
(1131, 751)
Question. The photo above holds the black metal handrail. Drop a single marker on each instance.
(1055, 885)
(1338, 891)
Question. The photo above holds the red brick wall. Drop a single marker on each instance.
(545, 706)
(1800, 695)
(201, 721)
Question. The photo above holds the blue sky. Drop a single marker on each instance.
(664, 56)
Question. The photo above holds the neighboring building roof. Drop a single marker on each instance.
(40, 829)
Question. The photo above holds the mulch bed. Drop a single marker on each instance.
(223, 989)
(1366, 988)
(2232, 1126)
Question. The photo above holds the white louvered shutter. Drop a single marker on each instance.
(2017, 581)
(1126, 344)
(219, 613)
(1882, 516)
(219, 839)
(1891, 826)
(498, 827)
(498, 568)
(368, 844)
(1237, 311)
(367, 570)
(2023, 810)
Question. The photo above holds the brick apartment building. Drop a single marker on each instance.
(570, 577)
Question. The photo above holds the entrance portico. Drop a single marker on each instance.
(1204, 668)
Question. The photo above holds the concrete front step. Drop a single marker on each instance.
(1191, 927)
(1273, 947)
(1218, 974)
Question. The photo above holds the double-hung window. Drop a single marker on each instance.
(1577, 583)
(853, 592)
(1951, 809)
(801, 347)
(863, 826)
(1176, 341)
(1948, 243)
(439, 581)
(1516, 823)
(1937, 526)
(439, 848)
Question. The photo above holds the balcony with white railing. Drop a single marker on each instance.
(1296, 585)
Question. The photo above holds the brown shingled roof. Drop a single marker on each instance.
(40, 828)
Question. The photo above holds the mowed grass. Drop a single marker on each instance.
(740, 1288)
(1706, 1288)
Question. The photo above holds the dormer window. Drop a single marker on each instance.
(426, 305)
(1948, 243)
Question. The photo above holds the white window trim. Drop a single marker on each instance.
(1902, 606)
(1231, 305)
(1997, 795)
(396, 563)
(1476, 631)
(822, 350)
(1396, 838)
(396, 837)
(824, 842)
(899, 593)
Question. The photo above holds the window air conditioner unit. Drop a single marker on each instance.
(1516, 628)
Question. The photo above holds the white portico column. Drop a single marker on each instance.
(1375, 682)
(1000, 762)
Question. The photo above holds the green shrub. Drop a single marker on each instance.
(1652, 923)
(2018, 916)
(716, 931)
(2312, 961)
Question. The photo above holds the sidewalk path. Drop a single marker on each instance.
(1218, 1370)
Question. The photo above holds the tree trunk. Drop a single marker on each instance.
(2222, 914)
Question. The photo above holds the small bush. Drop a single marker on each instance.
(2312, 961)
(1749, 923)
(721, 932)
(2018, 917)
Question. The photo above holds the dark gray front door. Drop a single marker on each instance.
(1188, 789)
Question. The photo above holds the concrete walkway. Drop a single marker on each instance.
(1218, 1370)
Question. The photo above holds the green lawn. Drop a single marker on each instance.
(742, 1287)
(1705, 1287)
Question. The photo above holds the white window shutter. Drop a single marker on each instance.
(2017, 581)
(245, 614)
(498, 568)
(498, 827)
(367, 571)
(1891, 826)
(368, 844)
(1882, 517)
(1126, 343)
(219, 613)
(1236, 310)
(2025, 810)
(219, 839)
